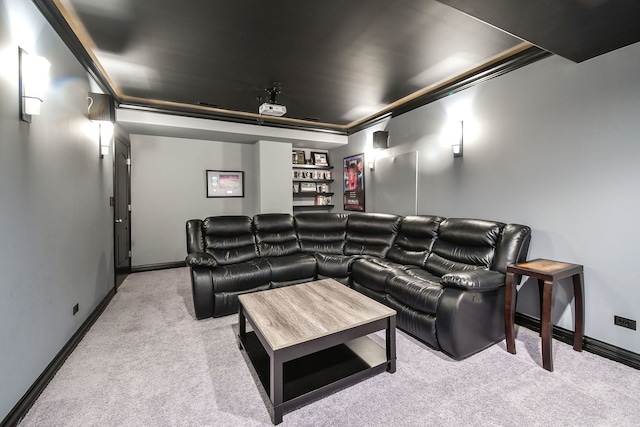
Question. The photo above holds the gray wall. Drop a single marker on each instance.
(56, 248)
(168, 188)
(555, 146)
(274, 172)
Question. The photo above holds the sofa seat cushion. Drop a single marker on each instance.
(419, 293)
(336, 266)
(241, 277)
(290, 268)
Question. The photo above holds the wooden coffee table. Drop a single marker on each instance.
(309, 340)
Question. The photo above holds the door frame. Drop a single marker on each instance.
(120, 134)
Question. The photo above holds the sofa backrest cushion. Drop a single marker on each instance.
(321, 232)
(415, 239)
(463, 245)
(229, 239)
(275, 234)
(371, 233)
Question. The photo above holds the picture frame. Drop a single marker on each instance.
(308, 187)
(298, 157)
(319, 158)
(353, 183)
(222, 183)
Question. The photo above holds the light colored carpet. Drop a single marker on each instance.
(148, 362)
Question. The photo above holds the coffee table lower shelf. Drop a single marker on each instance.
(319, 374)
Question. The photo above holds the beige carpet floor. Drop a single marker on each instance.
(148, 362)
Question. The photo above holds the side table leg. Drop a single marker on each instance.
(545, 326)
(541, 301)
(510, 313)
(578, 295)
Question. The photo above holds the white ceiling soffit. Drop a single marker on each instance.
(138, 122)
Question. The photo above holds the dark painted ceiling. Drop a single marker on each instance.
(576, 29)
(340, 64)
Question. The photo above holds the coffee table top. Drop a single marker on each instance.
(293, 314)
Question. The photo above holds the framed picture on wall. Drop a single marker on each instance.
(319, 159)
(225, 183)
(353, 198)
(297, 157)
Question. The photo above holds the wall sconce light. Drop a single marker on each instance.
(103, 112)
(380, 142)
(34, 77)
(458, 146)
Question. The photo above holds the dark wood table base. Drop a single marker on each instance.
(310, 340)
(547, 272)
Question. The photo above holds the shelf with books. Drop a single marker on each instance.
(310, 194)
(312, 178)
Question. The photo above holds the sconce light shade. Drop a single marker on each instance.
(380, 140)
(457, 146)
(34, 77)
(101, 108)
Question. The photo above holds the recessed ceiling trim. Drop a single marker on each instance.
(85, 39)
(188, 110)
(72, 31)
(443, 83)
(241, 116)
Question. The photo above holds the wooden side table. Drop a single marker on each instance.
(547, 272)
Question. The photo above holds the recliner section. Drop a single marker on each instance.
(444, 277)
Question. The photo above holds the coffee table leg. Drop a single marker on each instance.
(391, 343)
(275, 385)
(242, 323)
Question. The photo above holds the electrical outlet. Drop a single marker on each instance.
(624, 322)
(75, 309)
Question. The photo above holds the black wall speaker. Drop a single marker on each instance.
(380, 140)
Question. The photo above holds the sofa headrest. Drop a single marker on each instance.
(371, 233)
(226, 225)
(415, 239)
(464, 244)
(273, 222)
(275, 234)
(471, 232)
(229, 239)
(321, 232)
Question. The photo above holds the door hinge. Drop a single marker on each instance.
(129, 254)
(112, 201)
(128, 162)
(129, 208)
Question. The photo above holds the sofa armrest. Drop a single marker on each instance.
(477, 280)
(200, 259)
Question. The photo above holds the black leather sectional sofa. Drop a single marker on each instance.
(445, 277)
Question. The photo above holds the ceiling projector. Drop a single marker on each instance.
(268, 109)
